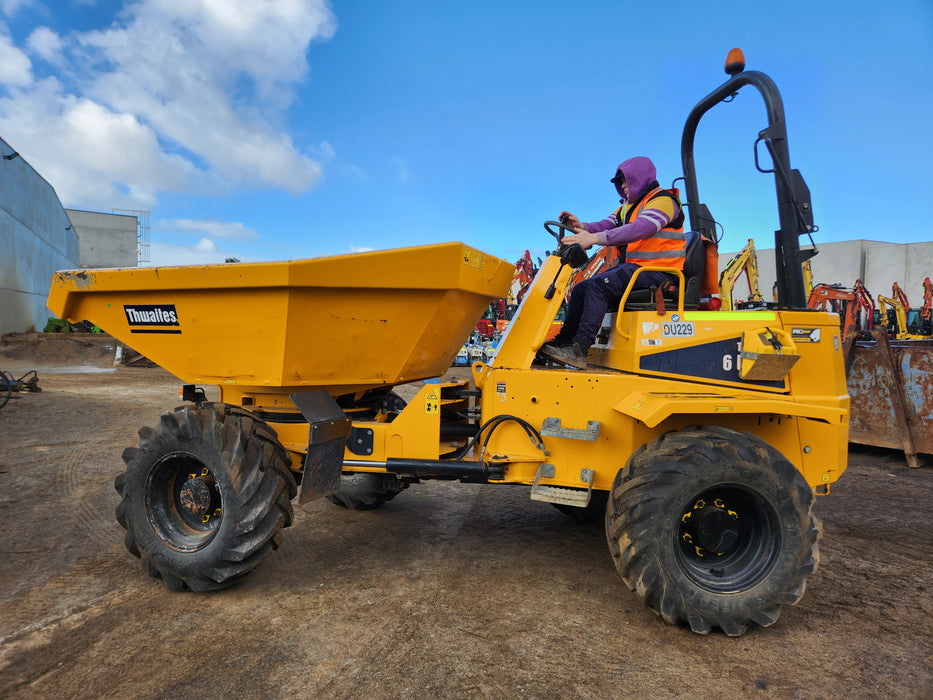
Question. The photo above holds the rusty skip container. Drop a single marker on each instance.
(890, 383)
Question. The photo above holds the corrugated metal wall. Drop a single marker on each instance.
(36, 239)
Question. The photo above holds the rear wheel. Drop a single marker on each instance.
(367, 491)
(713, 527)
(205, 496)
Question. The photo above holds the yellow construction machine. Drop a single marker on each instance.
(746, 260)
(700, 437)
(894, 311)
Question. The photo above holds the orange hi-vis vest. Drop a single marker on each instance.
(666, 248)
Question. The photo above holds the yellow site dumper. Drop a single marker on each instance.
(700, 436)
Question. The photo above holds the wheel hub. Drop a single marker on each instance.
(195, 497)
(728, 538)
(716, 530)
(183, 501)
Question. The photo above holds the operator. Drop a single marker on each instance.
(650, 223)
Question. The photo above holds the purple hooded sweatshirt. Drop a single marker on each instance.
(640, 174)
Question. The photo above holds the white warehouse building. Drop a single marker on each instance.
(878, 264)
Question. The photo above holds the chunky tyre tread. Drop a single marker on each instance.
(643, 509)
(364, 491)
(252, 473)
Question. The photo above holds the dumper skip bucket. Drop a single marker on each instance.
(343, 323)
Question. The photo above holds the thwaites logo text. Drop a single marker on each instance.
(152, 318)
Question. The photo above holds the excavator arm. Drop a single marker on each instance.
(807, 276)
(900, 314)
(745, 261)
(899, 294)
(865, 304)
(827, 297)
(927, 299)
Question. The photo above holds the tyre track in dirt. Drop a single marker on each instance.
(83, 479)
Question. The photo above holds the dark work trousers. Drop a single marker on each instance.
(590, 300)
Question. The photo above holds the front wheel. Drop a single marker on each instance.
(205, 496)
(712, 527)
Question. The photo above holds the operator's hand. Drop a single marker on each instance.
(572, 221)
(585, 239)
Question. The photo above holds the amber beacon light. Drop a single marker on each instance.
(735, 61)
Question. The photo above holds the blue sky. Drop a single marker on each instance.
(281, 129)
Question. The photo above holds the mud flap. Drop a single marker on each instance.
(328, 428)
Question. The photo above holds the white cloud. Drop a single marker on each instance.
(46, 44)
(170, 95)
(206, 246)
(91, 155)
(212, 228)
(15, 66)
(10, 7)
(213, 76)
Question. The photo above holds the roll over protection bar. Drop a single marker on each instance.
(795, 211)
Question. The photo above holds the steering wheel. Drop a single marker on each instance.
(558, 234)
(572, 255)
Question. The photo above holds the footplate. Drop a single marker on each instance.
(561, 494)
(551, 427)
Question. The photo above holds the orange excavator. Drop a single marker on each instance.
(926, 317)
(521, 280)
(898, 294)
(853, 305)
(866, 306)
(500, 311)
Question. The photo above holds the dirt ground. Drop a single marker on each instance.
(450, 590)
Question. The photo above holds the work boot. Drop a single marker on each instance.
(573, 354)
(558, 341)
(541, 357)
(554, 345)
